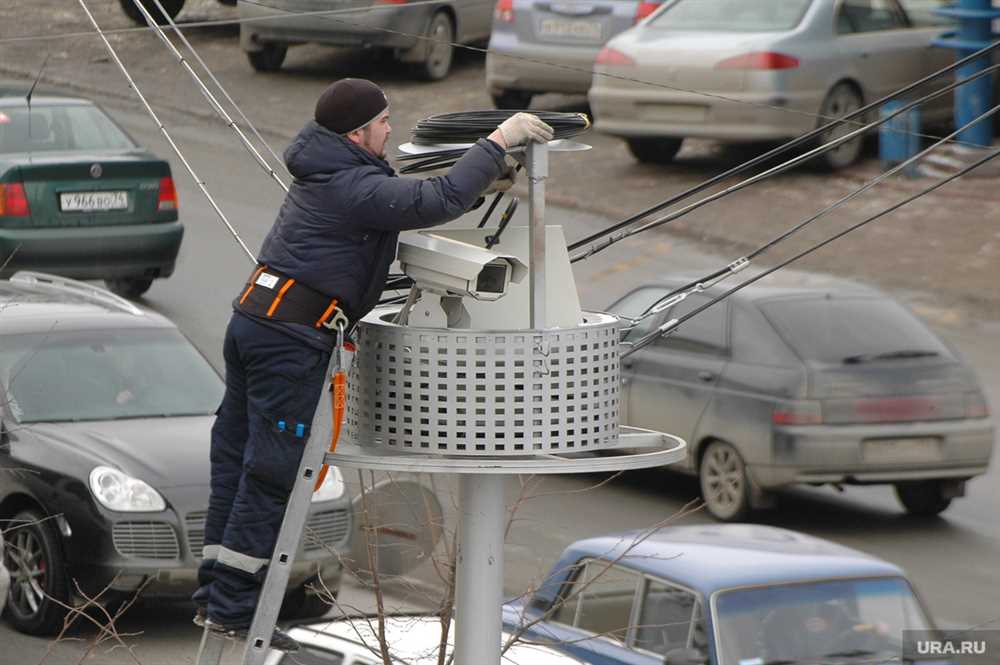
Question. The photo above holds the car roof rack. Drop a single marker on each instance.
(86, 291)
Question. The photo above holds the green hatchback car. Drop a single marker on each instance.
(79, 198)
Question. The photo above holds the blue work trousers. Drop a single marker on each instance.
(273, 383)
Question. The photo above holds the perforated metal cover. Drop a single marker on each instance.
(470, 392)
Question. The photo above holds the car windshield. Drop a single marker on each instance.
(852, 330)
(816, 621)
(59, 128)
(105, 375)
(731, 15)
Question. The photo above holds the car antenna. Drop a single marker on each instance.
(27, 99)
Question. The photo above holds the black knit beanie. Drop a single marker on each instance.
(350, 104)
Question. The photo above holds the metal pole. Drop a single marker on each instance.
(538, 170)
(479, 592)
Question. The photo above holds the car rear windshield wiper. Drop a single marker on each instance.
(889, 355)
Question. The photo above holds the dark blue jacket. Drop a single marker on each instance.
(338, 226)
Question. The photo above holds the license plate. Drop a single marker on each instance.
(93, 201)
(918, 449)
(568, 29)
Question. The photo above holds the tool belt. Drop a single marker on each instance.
(269, 294)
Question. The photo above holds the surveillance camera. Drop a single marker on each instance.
(453, 268)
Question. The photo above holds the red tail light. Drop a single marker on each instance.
(167, 200)
(390, 2)
(975, 406)
(13, 200)
(797, 413)
(759, 60)
(609, 56)
(646, 8)
(504, 11)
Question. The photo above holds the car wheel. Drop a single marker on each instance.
(128, 287)
(922, 498)
(654, 149)
(39, 588)
(440, 51)
(301, 604)
(269, 58)
(844, 98)
(173, 8)
(515, 100)
(724, 483)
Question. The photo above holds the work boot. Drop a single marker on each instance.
(280, 640)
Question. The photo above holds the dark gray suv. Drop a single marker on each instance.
(777, 386)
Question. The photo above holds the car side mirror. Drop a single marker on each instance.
(686, 656)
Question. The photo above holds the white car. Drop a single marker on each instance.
(413, 640)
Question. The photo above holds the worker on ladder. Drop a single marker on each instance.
(322, 267)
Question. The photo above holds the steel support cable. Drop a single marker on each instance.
(671, 325)
(166, 134)
(741, 263)
(213, 102)
(775, 170)
(794, 143)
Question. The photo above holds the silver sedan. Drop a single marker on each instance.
(738, 71)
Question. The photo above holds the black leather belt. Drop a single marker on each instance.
(272, 295)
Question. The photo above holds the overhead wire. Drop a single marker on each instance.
(208, 94)
(674, 323)
(683, 292)
(743, 184)
(166, 134)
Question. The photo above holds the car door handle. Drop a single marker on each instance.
(627, 363)
(706, 376)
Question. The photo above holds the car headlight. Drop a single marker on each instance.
(332, 487)
(121, 492)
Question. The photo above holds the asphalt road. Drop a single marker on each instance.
(953, 560)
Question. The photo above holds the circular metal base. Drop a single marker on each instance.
(636, 449)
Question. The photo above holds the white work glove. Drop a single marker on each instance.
(504, 182)
(523, 127)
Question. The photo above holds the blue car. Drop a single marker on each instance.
(720, 595)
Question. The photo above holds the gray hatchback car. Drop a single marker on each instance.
(778, 386)
(422, 33)
(539, 47)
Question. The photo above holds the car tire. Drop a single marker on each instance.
(514, 100)
(128, 287)
(725, 487)
(173, 8)
(299, 604)
(842, 99)
(654, 149)
(440, 52)
(269, 58)
(39, 589)
(923, 498)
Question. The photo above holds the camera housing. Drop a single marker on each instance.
(450, 267)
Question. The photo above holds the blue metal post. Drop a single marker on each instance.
(975, 31)
(899, 138)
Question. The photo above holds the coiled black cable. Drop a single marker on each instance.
(468, 126)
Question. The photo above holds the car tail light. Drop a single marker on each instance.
(13, 200)
(797, 413)
(167, 200)
(390, 2)
(975, 405)
(504, 11)
(610, 56)
(759, 60)
(896, 409)
(646, 8)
